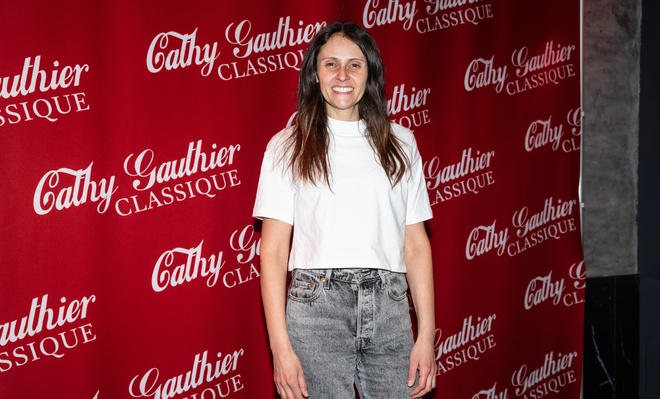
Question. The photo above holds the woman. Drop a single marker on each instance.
(352, 185)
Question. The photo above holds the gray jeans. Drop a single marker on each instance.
(351, 326)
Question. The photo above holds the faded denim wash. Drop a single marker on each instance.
(351, 326)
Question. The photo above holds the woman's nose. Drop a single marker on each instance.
(342, 75)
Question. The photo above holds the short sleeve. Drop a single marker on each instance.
(275, 193)
(418, 206)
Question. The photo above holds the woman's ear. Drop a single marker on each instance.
(316, 78)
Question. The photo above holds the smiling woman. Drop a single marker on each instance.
(353, 183)
(342, 76)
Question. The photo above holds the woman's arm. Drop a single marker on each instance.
(419, 265)
(288, 374)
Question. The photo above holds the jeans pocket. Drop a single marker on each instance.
(305, 286)
(397, 286)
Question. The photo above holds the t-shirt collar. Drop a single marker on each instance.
(347, 128)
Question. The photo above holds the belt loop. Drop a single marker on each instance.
(326, 279)
(383, 278)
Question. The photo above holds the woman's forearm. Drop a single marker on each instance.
(274, 252)
(419, 266)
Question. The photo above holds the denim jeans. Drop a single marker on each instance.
(351, 326)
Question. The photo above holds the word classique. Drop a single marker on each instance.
(39, 324)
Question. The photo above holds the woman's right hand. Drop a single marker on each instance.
(289, 377)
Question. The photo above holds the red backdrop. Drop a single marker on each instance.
(132, 135)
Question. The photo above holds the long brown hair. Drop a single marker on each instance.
(308, 145)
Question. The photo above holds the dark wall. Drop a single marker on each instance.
(611, 338)
(621, 193)
(649, 202)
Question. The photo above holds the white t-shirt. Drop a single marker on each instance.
(359, 222)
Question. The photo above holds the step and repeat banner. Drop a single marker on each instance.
(131, 136)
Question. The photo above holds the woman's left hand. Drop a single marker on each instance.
(422, 365)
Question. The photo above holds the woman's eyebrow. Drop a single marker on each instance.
(349, 59)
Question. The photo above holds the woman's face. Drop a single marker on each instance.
(342, 75)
